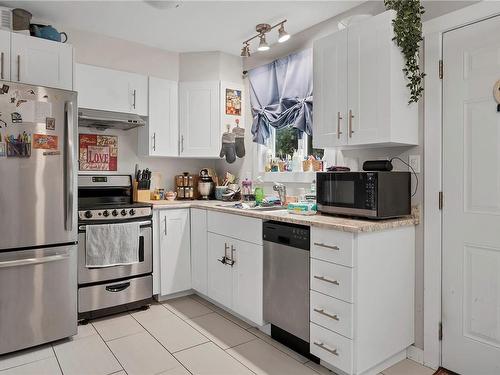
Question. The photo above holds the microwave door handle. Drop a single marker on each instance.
(69, 114)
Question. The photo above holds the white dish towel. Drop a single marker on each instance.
(110, 245)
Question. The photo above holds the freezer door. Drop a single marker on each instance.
(37, 178)
(38, 296)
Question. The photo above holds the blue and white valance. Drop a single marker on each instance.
(281, 95)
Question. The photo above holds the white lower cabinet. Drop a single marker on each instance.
(174, 251)
(235, 267)
(220, 274)
(362, 314)
(199, 250)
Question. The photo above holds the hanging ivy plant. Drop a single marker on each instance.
(408, 35)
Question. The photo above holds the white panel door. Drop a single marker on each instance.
(175, 251)
(330, 90)
(220, 283)
(41, 62)
(160, 137)
(200, 128)
(247, 280)
(5, 55)
(199, 250)
(369, 66)
(138, 92)
(471, 213)
(102, 88)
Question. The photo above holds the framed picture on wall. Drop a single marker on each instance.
(98, 152)
(233, 102)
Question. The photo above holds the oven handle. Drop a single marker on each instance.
(117, 287)
(141, 223)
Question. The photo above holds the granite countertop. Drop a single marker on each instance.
(324, 221)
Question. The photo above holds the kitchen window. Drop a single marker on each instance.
(284, 141)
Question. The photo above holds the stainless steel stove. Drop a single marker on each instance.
(107, 199)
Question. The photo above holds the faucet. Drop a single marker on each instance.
(281, 189)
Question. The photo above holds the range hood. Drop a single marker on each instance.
(102, 120)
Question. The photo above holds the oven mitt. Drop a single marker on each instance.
(240, 141)
(228, 149)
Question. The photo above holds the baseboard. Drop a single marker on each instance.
(160, 298)
(415, 354)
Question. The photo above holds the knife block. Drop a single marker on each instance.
(140, 195)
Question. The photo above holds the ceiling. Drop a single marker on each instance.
(193, 26)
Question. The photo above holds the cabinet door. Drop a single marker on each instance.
(247, 280)
(200, 128)
(41, 62)
(330, 90)
(199, 250)
(175, 257)
(220, 283)
(138, 93)
(5, 55)
(160, 137)
(370, 44)
(101, 88)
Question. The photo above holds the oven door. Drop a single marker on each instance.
(88, 275)
(347, 193)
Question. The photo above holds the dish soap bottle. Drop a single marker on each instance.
(259, 190)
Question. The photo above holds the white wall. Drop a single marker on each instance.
(119, 54)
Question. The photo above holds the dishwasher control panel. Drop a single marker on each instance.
(293, 235)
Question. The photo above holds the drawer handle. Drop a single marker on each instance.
(323, 312)
(117, 287)
(327, 246)
(322, 278)
(324, 347)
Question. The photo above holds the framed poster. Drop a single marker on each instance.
(98, 152)
(233, 102)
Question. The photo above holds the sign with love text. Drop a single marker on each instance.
(98, 152)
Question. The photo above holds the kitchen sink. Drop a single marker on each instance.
(256, 208)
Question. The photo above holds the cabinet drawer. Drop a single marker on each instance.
(235, 226)
(332, 246)
(332, 279)
(331, 348)
(331, 313)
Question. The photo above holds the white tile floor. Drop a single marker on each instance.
(184, 336)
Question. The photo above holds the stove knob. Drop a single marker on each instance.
(124, 213)
(88, 214)
(105, 213)
(132, 212)
(114, 213)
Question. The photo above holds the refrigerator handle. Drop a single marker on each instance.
(68, 163)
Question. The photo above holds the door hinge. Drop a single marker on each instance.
(440, 200)
(440, 334)
(440, 69)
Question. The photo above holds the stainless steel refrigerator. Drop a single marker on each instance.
(38, 227)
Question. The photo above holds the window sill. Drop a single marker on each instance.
(296, 177)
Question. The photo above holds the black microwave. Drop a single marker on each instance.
(375, 195)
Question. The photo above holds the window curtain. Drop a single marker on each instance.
(281, 95)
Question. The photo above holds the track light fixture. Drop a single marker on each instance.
(262, 29)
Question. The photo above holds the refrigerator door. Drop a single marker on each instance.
(38, 296)
(37, 177)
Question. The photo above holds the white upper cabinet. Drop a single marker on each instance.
(4, 55)
(376, 111)
(160, 137)
(330, 88)
(200, 127)
(111, 90)
(41, 62)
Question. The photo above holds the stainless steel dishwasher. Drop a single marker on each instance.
(286, 283)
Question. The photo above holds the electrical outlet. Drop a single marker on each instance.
(414, 161)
